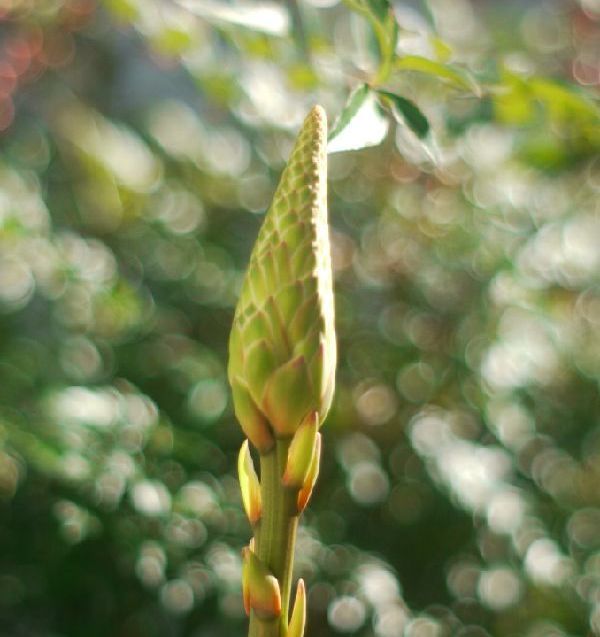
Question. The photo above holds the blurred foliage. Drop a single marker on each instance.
(140, 144)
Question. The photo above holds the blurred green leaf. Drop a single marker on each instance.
(459, 78)
(442, 49)
(360, 123)
(517, 100)
(380, 8)
(355, 101)
(408, 112)
(564, 102)
(380, 15)
(123, 9)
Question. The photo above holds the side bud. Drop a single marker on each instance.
(260, 587)
(298, 621)
(301, 452)
(249, 484)
(311, 477)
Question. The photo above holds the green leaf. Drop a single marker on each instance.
(563, 102)
(360, 124)
(381, 17)
(460, 78)
(409, 112)
(380, 8)
(518, 100)
(355, 101)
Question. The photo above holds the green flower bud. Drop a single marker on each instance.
(282, 346)
(259, 587)
(301, 452)
(311, 477)
(249, 484)
(298, 620)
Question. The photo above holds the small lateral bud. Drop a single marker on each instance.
(311, 478)
(301, 452)
(298, 621)
(260, 587)
(249, 484)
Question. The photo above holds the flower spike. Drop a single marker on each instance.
(282, 357)
(282, 347)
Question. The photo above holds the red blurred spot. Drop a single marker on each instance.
(586, 72)
(8, 79)
(17, 48)
(7, 113)
(18, 51)
(583, 23)
(35, 40)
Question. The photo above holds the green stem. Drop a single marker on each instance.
(276, 536)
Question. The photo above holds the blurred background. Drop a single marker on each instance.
(140, 143)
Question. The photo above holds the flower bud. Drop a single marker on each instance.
(282, 345)
(249, 484)
(260, 587)
(311, 477)
(301, 452)
(298, 620)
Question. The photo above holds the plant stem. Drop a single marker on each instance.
(276, 536)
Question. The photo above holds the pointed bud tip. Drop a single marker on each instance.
(309, 483)
(301, 451)
(249, 484)
(317, 112)
(298, 620)
(260, 587)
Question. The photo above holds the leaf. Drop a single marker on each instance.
(360, 123)
(409, 112)
(355, 101)
(380, 8)
(442, 50)
(564, 102)
(460, 78)
(380, 15)
(518, 100)
(266, 17)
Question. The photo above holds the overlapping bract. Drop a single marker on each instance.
(282, 344)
